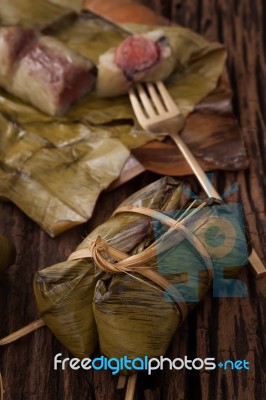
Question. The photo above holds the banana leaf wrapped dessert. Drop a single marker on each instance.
(133, 280)
(7, 253)
(42, 71)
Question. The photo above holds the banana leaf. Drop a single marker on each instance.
(7, 253)
(62, 176)
(64, 163)
(129, 314)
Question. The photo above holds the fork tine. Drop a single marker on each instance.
(155, 98)
(167, 98)
(146, 101)
(138, 110)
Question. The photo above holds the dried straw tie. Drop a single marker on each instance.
(121, 262)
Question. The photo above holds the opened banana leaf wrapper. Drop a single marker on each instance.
(54, 168)
(133, 280)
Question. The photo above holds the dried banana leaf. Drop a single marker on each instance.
(62, 176)
(133, 315)
(7, 253)
(64, 163)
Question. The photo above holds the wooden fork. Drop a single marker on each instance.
(157, 112)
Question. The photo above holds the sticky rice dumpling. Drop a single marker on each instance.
(42, 71)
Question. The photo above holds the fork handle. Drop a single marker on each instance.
(196, 168)
(254, 259)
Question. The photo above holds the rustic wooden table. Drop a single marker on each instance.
(221, 328)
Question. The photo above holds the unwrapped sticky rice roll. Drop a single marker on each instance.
(139, 58)
(42, 71)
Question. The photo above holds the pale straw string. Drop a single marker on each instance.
(137, 262)
(22, 332)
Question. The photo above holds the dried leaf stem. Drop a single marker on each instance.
(22, 332)
(131, 386)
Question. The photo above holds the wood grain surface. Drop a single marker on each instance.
(222, 328)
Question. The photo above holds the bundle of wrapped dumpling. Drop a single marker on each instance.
(133, 280)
